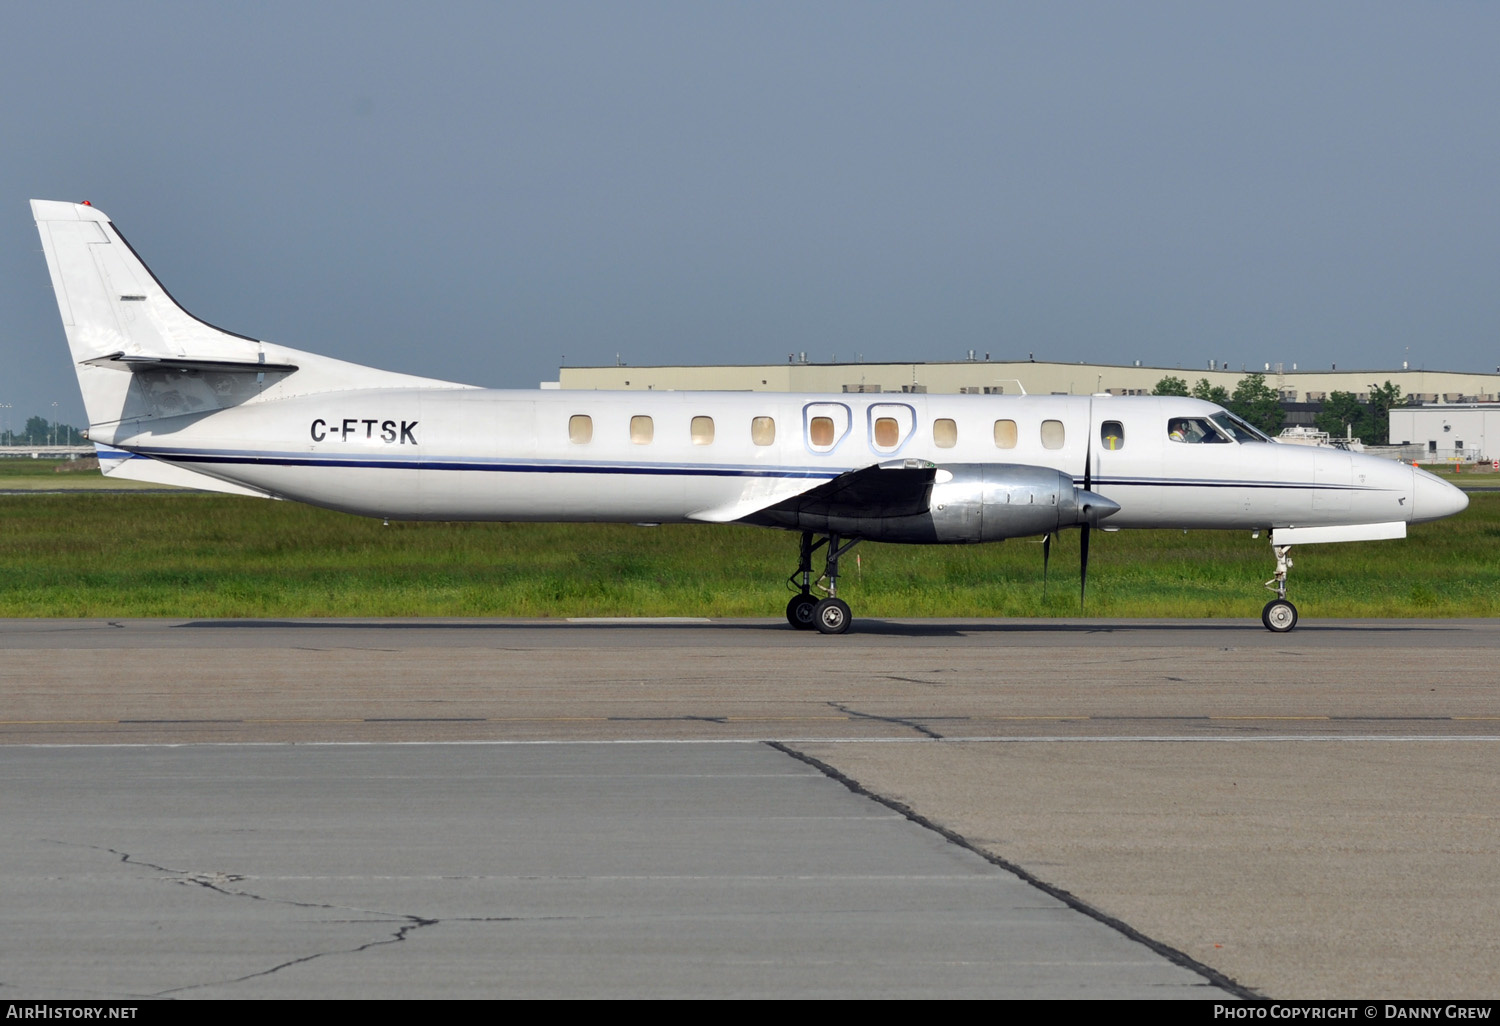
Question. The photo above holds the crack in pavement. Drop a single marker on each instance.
(220, 882)
(909, 724)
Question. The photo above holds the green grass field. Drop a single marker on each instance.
(198, 555)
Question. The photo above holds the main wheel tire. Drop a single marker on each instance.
(832, 616)
(801, 612)
(1279, 616)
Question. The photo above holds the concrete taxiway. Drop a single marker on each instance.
(592, 870)
(734, 807)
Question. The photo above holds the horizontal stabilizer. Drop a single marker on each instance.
(131, 362)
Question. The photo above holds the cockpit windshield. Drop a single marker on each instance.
(1220, 428)
(1237, 428)
(1195, 431)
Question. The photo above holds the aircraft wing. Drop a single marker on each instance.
(896, 489)
(899, 489)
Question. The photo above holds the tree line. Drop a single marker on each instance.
(41, 431)
(1344, 413)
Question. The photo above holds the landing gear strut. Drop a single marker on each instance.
(1279, 615)
(806, 611)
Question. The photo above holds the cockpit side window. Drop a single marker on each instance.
(1194, 431)
(1238, 429)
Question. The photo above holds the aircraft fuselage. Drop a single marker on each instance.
(479, 454)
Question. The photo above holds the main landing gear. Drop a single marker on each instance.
(806, 611)
(1279, 615)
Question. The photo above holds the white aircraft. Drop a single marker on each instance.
(174, 400)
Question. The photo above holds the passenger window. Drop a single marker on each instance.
(891, 424)
(580, 429)
(763, 431)
(703, 431)
(1053, 434)
(1005, 434)
(641, 430)
(944, 433)
(827, 424)
(1112, 435)
(820, 432)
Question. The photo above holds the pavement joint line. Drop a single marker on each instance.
(825, 718)
(176, 723)
(1174, 955)
(950, 740)
(638, 619)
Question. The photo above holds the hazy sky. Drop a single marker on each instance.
(475, 191)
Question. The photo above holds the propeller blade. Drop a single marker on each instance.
(1088, 486)
(1083, 565)
(1088, 452)
(1046, 558)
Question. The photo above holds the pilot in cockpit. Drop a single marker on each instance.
(1193, 430)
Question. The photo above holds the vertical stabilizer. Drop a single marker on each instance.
(113, 310)
(141, 357)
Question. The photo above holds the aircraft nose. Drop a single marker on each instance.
(1433, 498)
(1093, 507)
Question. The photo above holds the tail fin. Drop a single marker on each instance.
(139, 355)
(118, 316)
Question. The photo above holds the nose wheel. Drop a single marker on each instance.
(1280, 615)
(805, 611)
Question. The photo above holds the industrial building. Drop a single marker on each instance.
(982, 376)
(1460, 433)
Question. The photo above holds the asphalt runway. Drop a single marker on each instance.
(1200, 807)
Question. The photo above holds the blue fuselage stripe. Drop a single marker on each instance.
(284, 460)
(246, 458)
(1167, 482)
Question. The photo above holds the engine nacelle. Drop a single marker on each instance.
(971, 502)
(980, 502)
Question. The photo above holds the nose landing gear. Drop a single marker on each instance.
(806, 611)
(1279, 615)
